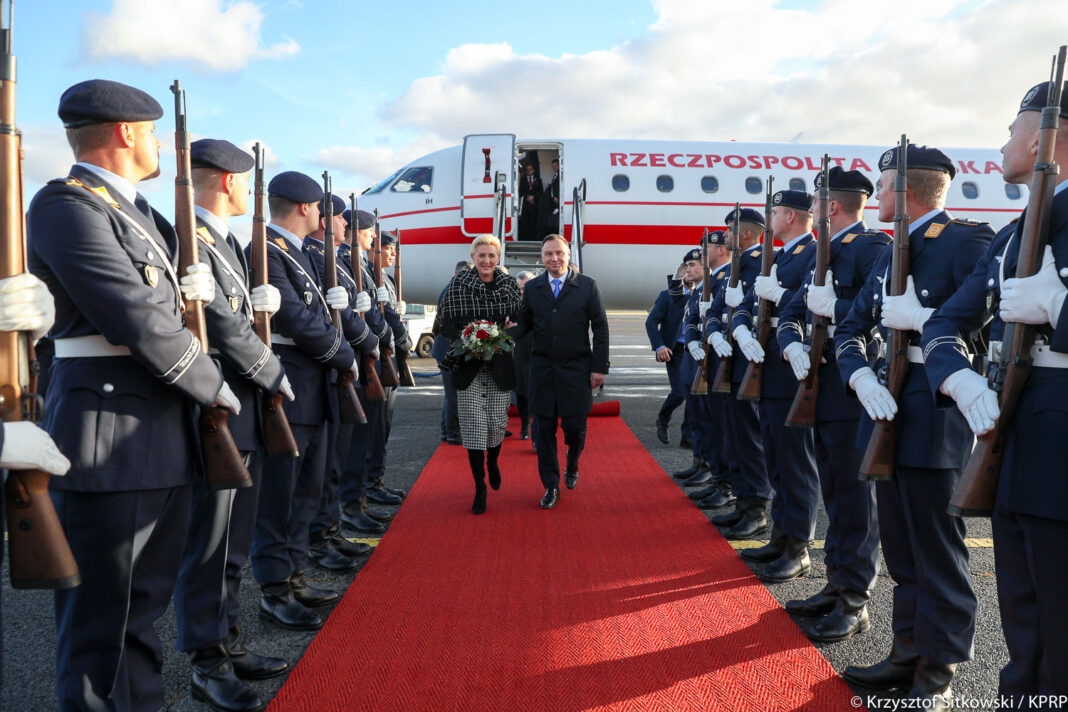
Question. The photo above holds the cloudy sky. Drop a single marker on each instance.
(361, 88)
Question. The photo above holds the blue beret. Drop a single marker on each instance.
(1036, 97)
(745, 215)
(364, 219)
(295, 186)
(919, 158)
(99, 101)
(223, 155)
(693, 255)
(339, 205)
(846, 181)
(797, 199)
(388, 238)
(717, 237)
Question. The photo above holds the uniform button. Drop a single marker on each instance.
(990, 282)
(307, 284)
(149, 254)
(233, 290)
(108, 388)
(923, 292)
(836, 282)
(1064, 271)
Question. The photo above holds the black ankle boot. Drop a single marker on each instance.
(214, 682)
(897, 670)
(491, 467)
(478, 471)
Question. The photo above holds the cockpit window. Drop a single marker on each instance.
(417, 179)
(381, 185)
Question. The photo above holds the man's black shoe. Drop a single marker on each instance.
(380, 495)
(280, 607)
(354, 517)
(571, 478)
(378, 514)
(249, 665)
(685, 442)
(552, 496)
(704, 492)
(764, 554)
(931, 686)
(662, 431)
(351, 549)
(701, 477)
(819, 604)
(310, 596)
(753, 522)
(380, 483)
(330, 558)
(698, 465)
(897, 670)
(720, 499)
(728, 519)
(786, 568)
(214, 682)
(849, 617)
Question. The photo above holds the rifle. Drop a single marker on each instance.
(373, 391)
(722, 382)
(390, 377)
(405, 372)
(39, 552)
(978, 485)
(224, 467)
(700, 379)
(803, 410)
(879, 456)
(753, 380)
(349, 408)
(277, 435)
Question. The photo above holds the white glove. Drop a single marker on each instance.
(751, 348)
(694, 347)
(383, 295)
(27, 447)
(722, 347)
(821, 300)
(974, 398)
(702, 308)
(798, 357)
(872, 394)
(26, 305)
(905, 312)
(337, 297)
(363, 303)
(1036, 299)
(198, 285)
(768, 287)
(355, 371)
(734, 295)
(400, 306)
(227, 399)
(285, 389)
(265, 298)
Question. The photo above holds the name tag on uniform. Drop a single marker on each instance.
(151, 275)
(934, 230)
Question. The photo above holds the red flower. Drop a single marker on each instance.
(482, 334)
(467, 331)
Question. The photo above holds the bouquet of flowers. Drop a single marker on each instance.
(482, 340)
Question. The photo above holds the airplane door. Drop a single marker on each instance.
(485, 155)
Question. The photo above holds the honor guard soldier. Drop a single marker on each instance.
(328, 548)
(791, 452)
(663, 327)
(124, 385)
(851, 550)
(309, 346)
(1030, 519)
(206, 602)
(743, 427)
(923, 545)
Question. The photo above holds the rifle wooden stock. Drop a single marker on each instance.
(699, 386)
(803, 410)
(277, 435)
(38, 550)
(403, 369)
(880, 455)
(978, 485)
(722, 382)
(349, 409)
(373, 392)
(223, 466)
(390, 376)
(753, 378)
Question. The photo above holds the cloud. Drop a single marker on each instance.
(363, 167)
(203, 32)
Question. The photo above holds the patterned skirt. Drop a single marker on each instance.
(483, 409)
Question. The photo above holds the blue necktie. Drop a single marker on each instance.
(556, 288)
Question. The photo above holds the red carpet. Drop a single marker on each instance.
(624, 597)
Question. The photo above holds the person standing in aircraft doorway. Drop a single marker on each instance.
(530, 196)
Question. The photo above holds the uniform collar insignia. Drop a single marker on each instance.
(800, 248)
(755, 253)
(103, 193)
(934, 230)
(849, 238)
(205, 235)
(281, 242)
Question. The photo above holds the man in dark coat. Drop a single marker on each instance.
(561, 307)
(530, 190)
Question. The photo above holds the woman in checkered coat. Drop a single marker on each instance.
(487, 293)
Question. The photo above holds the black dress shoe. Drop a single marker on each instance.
(283, 609)
(310, 596)
(698, 464)
(249, 665)
(701, 477)
(846, 620)
(752, 523)
(819, 604)
(524, 434)
(380, 483)
(552, 496)
(351, 549)
(897, 670)
(662, 431)
(708, 491)
(767, 553)
(379, 495)
(329, 558)
(508, 433)
(786, 568)
(729, 519)
(215, 683)
(717, 501)
(571, 478)
(354, 517)
(378, 514)
(931, 685)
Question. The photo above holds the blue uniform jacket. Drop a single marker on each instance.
(942, 253)
(125, 422)
(691, 324)
(853, 256)
(305, 319)
(352, 324)
(395, 320)
(718, 313)
(247, 363)
(791, 268)
(346, 278)
(664, 323)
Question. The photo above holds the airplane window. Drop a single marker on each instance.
(382, 186)
(665, 184)
(709, 184)
(754, 186)
(797, 184)
(1012, 191)
(620, 183)
(970, 190)
(417, 179)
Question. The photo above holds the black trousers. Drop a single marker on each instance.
(677, 396)
(128, 546)
(574, 427)
(791, 459)
(338, 438)
(747, 448)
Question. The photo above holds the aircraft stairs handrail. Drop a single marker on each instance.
(578, 223)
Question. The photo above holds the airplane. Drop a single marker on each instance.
(630, 208)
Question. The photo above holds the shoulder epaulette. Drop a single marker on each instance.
(934, 230)
(205, 235)
(968, 221)
(849, 238)
(755, 253)
(101, 191)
